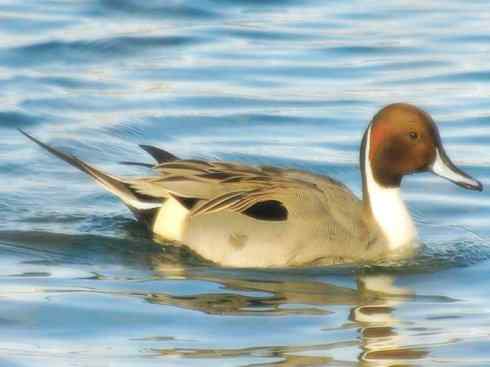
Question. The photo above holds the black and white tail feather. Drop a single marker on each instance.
(141, 205)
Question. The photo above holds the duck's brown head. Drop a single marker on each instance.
(403, 139)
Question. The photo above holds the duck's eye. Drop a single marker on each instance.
(413, 135)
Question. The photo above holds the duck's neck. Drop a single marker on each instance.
(385, 206)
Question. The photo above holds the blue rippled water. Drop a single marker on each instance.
(289, 83)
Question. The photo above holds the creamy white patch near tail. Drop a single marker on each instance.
(170, 220)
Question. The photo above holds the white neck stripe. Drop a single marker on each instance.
(388, 208)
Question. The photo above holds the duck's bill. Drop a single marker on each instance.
(444, 168)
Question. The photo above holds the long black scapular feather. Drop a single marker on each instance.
(160, 155)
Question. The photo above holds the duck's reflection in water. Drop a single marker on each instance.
(372, 306)
(265, 296)
(380, 342)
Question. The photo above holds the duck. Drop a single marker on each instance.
(237, 215)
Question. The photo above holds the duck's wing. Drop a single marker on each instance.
(265, 193)
(195, 179)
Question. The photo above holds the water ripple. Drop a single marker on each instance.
(94, 51)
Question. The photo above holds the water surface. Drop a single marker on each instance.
(287, 83)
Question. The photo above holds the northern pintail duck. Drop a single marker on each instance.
(238, 215)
